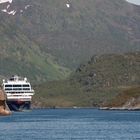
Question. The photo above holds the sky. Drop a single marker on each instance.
(134, 1)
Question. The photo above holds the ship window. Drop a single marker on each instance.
(8, 85)
(26, 89)
(11, 79)
(16, 85)
(8, 88)
(17, 89)
(26, 86)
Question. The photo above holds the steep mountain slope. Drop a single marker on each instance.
(46, 36)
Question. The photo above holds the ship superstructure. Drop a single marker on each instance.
(19, 93)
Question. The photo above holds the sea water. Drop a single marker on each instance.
(71, 124)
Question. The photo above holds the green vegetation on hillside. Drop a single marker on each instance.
(70, 94)
(93, 84)
(110, 71)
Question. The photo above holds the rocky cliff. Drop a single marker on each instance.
(4, 110)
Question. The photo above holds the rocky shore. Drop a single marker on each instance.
(131, 104)
(4, 110)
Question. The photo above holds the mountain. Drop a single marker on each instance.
(100, 81)
(47, 39)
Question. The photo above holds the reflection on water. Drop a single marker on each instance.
(71, 124)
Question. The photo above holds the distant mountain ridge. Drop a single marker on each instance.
(50, 38)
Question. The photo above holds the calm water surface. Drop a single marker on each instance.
(71, 124)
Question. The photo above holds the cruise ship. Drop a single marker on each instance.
(19, 93)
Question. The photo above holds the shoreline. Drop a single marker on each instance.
(65, 107)
(97, 108)
(120, 108)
